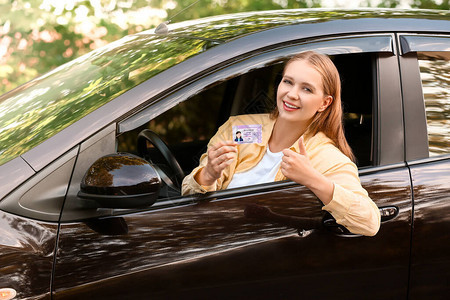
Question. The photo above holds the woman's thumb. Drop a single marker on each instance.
(301, 147)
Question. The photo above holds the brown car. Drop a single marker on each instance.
(92, 155)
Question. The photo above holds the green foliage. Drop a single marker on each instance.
(444, 4)
(389, 3)
(39, 35)
(205, 8)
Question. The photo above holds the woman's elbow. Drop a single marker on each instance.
(375, 223)
(371, 225)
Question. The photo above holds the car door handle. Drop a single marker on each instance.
(387, 213)
(329, 222)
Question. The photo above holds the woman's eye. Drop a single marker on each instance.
(308, 89)
(287, 81)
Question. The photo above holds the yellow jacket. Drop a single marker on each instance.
(351, 206)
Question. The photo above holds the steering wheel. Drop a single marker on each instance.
(176, 172)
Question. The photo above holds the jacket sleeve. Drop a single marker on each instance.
(351, 205)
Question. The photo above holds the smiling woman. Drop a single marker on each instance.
(303, 140)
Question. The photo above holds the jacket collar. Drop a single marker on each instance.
(267, 132)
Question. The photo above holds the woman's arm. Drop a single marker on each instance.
(297, 167)
(333, 178)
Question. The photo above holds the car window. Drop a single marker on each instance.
(435, 76)
(41, 108)
(187, 127)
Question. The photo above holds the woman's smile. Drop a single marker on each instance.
(289, 106)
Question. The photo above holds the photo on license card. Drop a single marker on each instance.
(247, 134)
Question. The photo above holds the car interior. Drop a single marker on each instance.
(187, 127)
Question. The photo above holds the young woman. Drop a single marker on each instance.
(302, 140)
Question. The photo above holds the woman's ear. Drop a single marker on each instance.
(327, 100)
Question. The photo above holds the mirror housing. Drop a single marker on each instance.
(120, 180)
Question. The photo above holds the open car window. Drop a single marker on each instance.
(185, 117)
(188, 126)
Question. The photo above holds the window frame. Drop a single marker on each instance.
(416, 131)
(252, 61)
(271, 56)
(259, 59)
(380, 43)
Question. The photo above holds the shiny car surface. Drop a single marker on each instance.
(92, 155)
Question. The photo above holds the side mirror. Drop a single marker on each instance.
(120, 180)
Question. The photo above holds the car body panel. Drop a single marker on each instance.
(174, 250)
(229, 27)
(42, 196)
(27, 250)
(12, 174)
(430, 262)
(389, 137)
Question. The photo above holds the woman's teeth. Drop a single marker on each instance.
(290, 106)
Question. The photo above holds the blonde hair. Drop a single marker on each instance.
(329, 121)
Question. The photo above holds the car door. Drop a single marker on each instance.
(264, 241)
(29, 218)
(425, 66)
(26, 257)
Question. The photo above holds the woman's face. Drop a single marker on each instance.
(300, 94)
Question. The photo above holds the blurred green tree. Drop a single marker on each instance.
(39, 35)
(431, 4)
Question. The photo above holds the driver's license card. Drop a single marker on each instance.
(247, 134)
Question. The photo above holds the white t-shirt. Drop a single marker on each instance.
(264, 171)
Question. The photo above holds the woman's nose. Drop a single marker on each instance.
(293, 93)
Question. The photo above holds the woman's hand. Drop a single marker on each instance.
(297, 167)
(220, 156)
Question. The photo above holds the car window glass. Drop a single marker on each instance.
(43, 107)
(188, 127)
(435, 76)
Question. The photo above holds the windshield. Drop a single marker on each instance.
(41, 108)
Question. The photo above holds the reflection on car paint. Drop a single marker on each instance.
(26, 255)
(73, 90)
(435, 75)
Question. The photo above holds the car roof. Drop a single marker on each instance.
(231, 26)
(46, 105)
